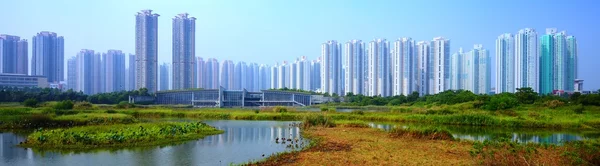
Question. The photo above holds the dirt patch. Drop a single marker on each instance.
(331, 147)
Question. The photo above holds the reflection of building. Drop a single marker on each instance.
(233, 98)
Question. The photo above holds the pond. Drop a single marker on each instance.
(480, 133)
(243, 141)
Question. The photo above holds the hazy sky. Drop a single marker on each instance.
(269, 31)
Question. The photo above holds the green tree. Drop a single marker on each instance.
(526, 95)
(31, 102)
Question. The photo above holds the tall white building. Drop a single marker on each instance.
(457, 70)
(404, 66)
(478, 70)
(200, 75)
(303, 74)
(355, 63)
(212, 74)
(315, 75)
(72, 73)
(264, 77)
(293, 75)
(84, 73)
(274, 76)
(379, 69)
(184, 42)
(283, 75)
(440, 50)
(331, 68)
(227, 74)
(505, 63)
(252, 77)
(424, 68)
(526, 59)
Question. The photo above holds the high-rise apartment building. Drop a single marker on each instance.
(424, 68)
(131, 72)
(440, 50)
(13, 55)
(84, 72)
(315, 74)
(184, 40)
(47, 57)
(379, 68)
(163, 77)
(505, 64)
(275, 76)
(72, 73)
(200, 75)
(115, 71)
(571, 71)
(355, 63)
(227, 74)
(303, 74)
(457, 70)
(331, 67)
(478, 70)
(404, 66)
(264, 77)
(146, 50)
(547, 51)
(212, 73)
(283, 75)
(527, 59)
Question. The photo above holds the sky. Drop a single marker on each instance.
(270, 31)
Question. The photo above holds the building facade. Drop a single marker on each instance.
(527, 59)
(47, 57)
(184, 53)
(440, 50)
(331, 68)
(13, 55)
(379, 77)
(355, 63)
(505, 64)
(146, 50)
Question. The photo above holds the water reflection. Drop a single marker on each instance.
(242, 141)
(544, 136)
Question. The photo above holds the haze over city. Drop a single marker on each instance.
(267, 32)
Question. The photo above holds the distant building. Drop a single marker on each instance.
(404, 64)
(505, 63)
(164, 77)
(578, 85)
(184, 43)
(440, 52)
(331, 68)
(146, 50)
(379, 68)
(115, 71)
(47, 57)
(22, 81)
(424, 68)
(232, 98)
(13, 55)
(355, 62)
(131, 69)
(527, 58)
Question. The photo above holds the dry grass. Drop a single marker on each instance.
(367, 146)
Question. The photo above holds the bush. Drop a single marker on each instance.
(318, 120)
(83, 105)
(125, 104)
(554, 104)
(31, 102)
(501, 101)
(400, 110)
(439, 112)
(64, 105)
(426, 133)
(357, 112)
(111, 111)
(280, 109)
(578, 109)
(324, 109)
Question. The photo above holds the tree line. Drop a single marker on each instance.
(12, 94)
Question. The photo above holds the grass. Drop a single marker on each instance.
(122, 135)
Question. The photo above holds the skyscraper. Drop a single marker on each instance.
(293, 75)
(315, 74)
(264, 77)
(97, 73)
(227, 74)
(84, 71)
(303, 74)
(164, 77)
(72, 73)
(478, 70)
(13, 55)
(47, 57)
(560, 62)
(505, 64)
(379, 68)
(527, 59)
(253, 77)
(457, 70)
(275, 76)
(424, 67)
(440, 50)
(283, 75)
(571, 74)
(547, 62)
(239, 77)
(146, 50)
(200, 75)
(131, 72)
(212, 74)
(184, 39)
(331, 67)
(404, 64)
(115, 71)
(354, 75)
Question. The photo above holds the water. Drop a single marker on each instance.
(242, 141)
(475, 133)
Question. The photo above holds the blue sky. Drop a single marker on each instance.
(269, 31)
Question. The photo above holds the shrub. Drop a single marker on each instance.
(124, 104)
(427, 133)
(439, 112)
(280, 109)
(554, 104)
(83, 105)
(256, 111)
(578, 109)
(64, 105)
(358, 112)
(324, 109)
(111, 111)
(318, 120)
(31, 102)
(400, 110)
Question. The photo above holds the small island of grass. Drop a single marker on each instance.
(117, 136)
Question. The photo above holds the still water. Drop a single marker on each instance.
(242, 141)
(477, 133)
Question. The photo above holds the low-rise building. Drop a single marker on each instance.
(22, 81)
